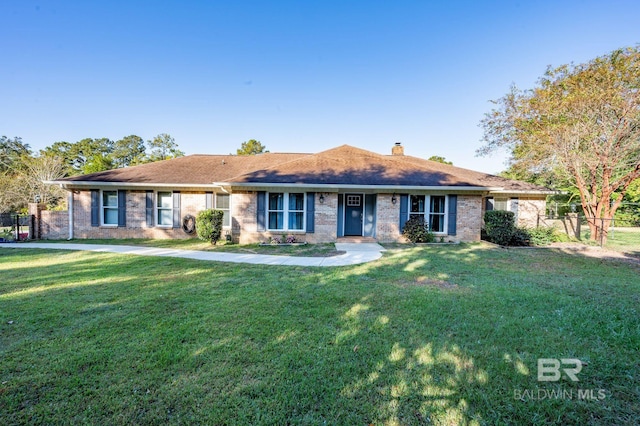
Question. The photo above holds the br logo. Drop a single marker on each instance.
(549, 369)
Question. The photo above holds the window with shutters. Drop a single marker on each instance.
(432, 208)
(285, 211)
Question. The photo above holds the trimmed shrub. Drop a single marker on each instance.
(209, 225)
(417, 231)
(499, 226)
(500, 229)
(542, 236)
(520, 237)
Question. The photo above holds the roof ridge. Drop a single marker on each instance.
(307, 156)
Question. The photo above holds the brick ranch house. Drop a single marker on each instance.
(344, 191)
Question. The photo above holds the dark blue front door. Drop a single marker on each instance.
(353, 214)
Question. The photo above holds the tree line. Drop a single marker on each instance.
(23, 171)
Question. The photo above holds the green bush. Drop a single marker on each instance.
(499, 226)
(500, 229)
(209, 225)
(542, 236)
(520, 238)
(417, 231)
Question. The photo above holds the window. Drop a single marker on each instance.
(296, 211)
(165, 209)
(110, 207)
(434, 216)
(285, 211)
(353, 200)
(416, 209)
(222, 203)
(276, 211)
(500, 204)
(436, 213)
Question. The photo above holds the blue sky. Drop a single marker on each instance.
(300, 76)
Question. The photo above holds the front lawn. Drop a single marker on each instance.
(625, 239)
(308, 250)
(426, 335)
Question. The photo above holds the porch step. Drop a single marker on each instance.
(356, 240)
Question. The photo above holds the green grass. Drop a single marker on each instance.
(310, 250)
(625, 239)
(426, 335)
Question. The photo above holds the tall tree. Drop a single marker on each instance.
(11, 151)
(62, 149)
(85, 156)
(90, 155)
(163, 147)
(38, 170)
(580, 123)
(128, 151)
(251, 147)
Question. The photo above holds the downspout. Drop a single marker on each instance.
(70, 209)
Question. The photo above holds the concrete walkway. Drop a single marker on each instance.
(355, 253)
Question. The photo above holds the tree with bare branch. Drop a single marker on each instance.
(581, 124)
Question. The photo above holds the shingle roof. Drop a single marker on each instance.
(192, 169)
(347, 165)
(344, 165)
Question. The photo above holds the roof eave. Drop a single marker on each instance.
(337, 187)
(526, 192)
(65, 184)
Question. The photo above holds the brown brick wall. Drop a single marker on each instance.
(54, 225)
(388, 219)
(326, 225)
(244, 226)
(469, 218)
(190, 203)
(529, 210)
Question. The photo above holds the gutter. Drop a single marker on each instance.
(337, 187)
(529, 191)
(80, 184)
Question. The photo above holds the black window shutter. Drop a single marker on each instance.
(340, 215)
(176, 210)
(149, 209)
(453, 214)
(311, 212)
(488, 204)
(208, 200)
(404, 210)
(260, 219)
(514, 208)
(122, 208)
(95, 207)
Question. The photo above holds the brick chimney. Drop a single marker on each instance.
(397, 149)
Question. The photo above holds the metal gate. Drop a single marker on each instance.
(15, 227)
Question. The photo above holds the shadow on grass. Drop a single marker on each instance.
(426, 335)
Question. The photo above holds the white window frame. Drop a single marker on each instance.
(427, 211)
(103, 208)
(226, 211)
(505, 200)
(443, 214)
(158, 209)
(285, 212)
